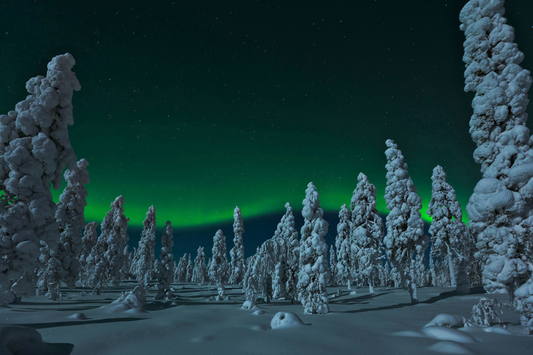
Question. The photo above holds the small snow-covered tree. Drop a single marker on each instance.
(447, 231)
(332, 267)
(199, 273)
(114, 231)
(143, 263)
(366, 231)
(314, 272)
(237, 252)
(279, 280)
(165, 271)
(88, 241)
(70, 219)
(262, 269)
(342, 244)
(404, 222)
(500, 209)
(188, 276)
(180, 274)
(217, 268)
(97, 265)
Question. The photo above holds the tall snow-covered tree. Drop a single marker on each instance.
(180, 274)
(367, 230)
(333, 266)
(263, 268)
(188, 276)
(249, 280)
(219, 261)
(237, 252)
(88, 241)
(199, 273)
(342, 244)
(314, 272)
(404, 222)
(448, 232)
(500, 209)
(143, 263)
(70, 219)
(34, 151)
(97, 265)
(165, 271)
(279, 280)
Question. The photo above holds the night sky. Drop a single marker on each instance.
(196, 107)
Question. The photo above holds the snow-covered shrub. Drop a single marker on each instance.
(485, 311)
(314, 272)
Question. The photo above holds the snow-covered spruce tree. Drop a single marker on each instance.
(447, 231)
(188, 276)
(314, 272)
(366, 231)
(237, 252)
(88, 241)
(342, 244)
(97, 265)
(422, 274)
(180, 274)
(404, 222)
(34, 151)
(500, 209)
(145, 257)
(248, 282)
(70, 219)
(165, 271)
(279, 280)
(332, 267)
(115, 235)
(263, 268)
(217, 268)
(199, 272)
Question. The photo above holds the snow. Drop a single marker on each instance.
(361, 323)
(447, 320)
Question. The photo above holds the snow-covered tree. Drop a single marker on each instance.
(219, 260)
(279, 280)
(333, 267)
(249, 280)
(125, 271)
(366, 231)
(88, 241)
(404, 222)
(70, 219)
(143, 263)
(165, 271)
(97, 265)
(34, 151)
(188, 276)
(237, 252)
(263, 268)
(342, 244)
(180, 273)
(314, 272)
(500, 209)
(199, 273)
(447, 231)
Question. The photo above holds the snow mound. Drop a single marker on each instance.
(409, 333)
(259, 312)
(78, 315)
(447, 320)
(248, 305)
(129, 302)
(450, 347)
(444, 333)
(285, 320)
(498, 330)
(19, 340)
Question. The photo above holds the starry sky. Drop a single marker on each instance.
(199, 106)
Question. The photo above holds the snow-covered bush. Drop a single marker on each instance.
(237, 252)
(404, 222)
(314, 272)
(485, 311)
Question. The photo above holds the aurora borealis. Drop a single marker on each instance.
(196, 107)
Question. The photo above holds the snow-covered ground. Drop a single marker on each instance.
(380, 323)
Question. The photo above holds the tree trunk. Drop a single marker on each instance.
(450, 267)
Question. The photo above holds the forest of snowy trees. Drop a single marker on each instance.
(45, 246)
